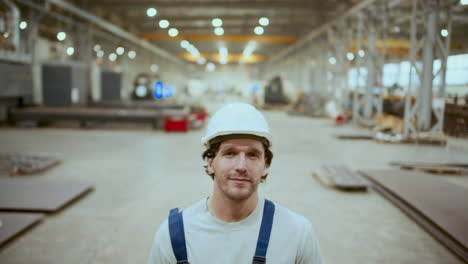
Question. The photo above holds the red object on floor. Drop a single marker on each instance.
(176, 124)
(200, 116)
(340, 119)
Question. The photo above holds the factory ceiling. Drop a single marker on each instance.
(189, 29)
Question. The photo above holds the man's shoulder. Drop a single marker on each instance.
(291, 218)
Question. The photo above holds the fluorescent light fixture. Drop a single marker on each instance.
(120, 50)
(258, 30)
(201, 61)
(100, 53)
(332, 60)
(173, 32)
(350, 56)
(264, 21)
(361, 53)
(444, 32)
(223, 60)
(249, 48)
(70, 51)
(97, 47)
(23, 25)
(463, 2)
(223, 51)
(163, 23)
(112, 57)
(131, 54)
(61, 36)
(151, 12)
(210, 66)
(154, 67)
(184, 44)
(217, 22)
(219, 31)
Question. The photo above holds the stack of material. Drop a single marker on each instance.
(17, 164)
(440, 207)
(356, 136)
(435, 139)
(448, 168)
(456, 120)
(13, 224)
(341, 178)
(33, 195)
(19, 195)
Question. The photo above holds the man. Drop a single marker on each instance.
(234, 225)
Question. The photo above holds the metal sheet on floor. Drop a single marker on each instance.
(13, 224)
(38, 195)
(438, 206)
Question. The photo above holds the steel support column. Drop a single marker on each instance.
(432, 44)
(425, 91)
(371, 64)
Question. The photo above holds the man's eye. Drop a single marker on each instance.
(253, 155)
(229, 153)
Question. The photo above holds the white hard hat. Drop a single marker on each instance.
(237, 118)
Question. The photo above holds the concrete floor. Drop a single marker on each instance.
(140, 174)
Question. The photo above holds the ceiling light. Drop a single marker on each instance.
(463, 2)
(219, 31)
(223, 51)
(97, 47)
(249, 48)
(61, 36)
(361, 53)
(23, 25)
(396, 29)
(191, 48)
(210, 66)
(154, 67)
(131, 54)
(120, 50)
(173, 32)
(70, 51)
(264, 21)
(112, 57)
(258, 30)
(201, 61)
(350, 56)
(223, 60)
(163, 23)
(332, 60)
(151, 12)
(216, 22)
(444, 32)
(184, 44)
(100, 53)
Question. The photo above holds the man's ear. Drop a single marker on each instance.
(209, 166)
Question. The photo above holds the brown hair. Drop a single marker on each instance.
(215, 143)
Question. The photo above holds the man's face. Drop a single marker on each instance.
(238, 167)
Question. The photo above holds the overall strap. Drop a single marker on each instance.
(265, 231)
(176, 232)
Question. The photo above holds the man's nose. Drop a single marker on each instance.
(241, 163)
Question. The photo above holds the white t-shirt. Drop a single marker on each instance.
(210, 240)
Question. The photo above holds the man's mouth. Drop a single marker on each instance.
(240, 180)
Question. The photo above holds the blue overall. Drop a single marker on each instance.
(176, 231)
